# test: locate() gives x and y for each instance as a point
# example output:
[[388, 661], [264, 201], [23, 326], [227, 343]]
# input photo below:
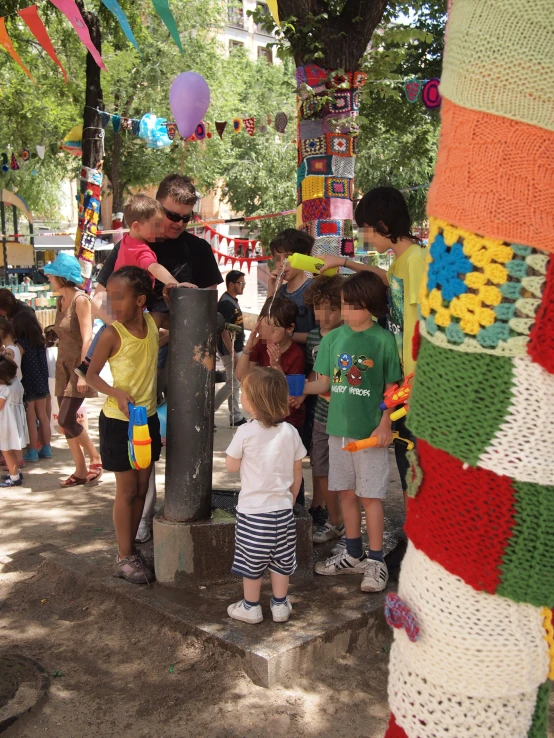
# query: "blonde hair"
[[268, 393], [140, 208]]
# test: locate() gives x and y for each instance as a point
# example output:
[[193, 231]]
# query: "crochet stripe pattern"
[[477, 580], [484, 71]]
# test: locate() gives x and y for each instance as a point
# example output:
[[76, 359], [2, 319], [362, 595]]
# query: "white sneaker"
[[376, 576], [238, 611], [340, 546], [327, 532], [280, 610], [341, 563], [144, 532]]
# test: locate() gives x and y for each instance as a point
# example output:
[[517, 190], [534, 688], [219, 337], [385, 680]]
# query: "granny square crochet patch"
[[319, 165], [328, 228], [342, 102], [337, 187], [311, 146], [339, 144]]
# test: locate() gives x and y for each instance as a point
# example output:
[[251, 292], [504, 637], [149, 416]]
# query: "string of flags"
[[71, 11], [159, 132]]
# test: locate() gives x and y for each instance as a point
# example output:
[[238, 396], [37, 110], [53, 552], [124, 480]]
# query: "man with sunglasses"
[[189, 259]]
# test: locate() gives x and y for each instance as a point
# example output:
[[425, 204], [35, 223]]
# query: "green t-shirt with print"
[[359, 365]]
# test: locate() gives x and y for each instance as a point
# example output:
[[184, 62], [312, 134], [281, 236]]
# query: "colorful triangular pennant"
[[36, 26], [162, 9], [73, 14], [250, 125], [220, 126], [6, 42], [116, 123], [41, 151], [13, 164], [115, 8]]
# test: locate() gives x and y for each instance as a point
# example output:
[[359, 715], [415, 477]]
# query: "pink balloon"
[[189, 98]]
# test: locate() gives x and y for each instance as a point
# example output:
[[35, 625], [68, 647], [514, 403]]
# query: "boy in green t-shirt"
[[357, 363], [384, 221]]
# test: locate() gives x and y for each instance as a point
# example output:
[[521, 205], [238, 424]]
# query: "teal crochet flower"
[[449, 262]]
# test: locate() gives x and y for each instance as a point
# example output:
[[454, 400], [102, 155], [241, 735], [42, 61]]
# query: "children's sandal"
[[73, 481], [94, 473]]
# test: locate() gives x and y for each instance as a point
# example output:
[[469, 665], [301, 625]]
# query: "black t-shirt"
[[188, 258], [229, 307]]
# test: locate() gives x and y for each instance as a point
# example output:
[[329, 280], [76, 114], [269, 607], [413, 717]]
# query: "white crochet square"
[[471, 643], [522, 446], [343, 166]]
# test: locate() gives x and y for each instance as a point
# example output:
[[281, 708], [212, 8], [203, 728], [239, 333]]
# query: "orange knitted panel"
[[495, 176]]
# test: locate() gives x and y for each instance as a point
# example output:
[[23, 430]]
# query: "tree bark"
[[345, 36], [92, 144]]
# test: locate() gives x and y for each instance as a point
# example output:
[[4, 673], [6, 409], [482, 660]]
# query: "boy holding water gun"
[[357, 363], [384, 221]]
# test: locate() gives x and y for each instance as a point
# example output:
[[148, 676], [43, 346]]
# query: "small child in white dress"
[[14, 435]]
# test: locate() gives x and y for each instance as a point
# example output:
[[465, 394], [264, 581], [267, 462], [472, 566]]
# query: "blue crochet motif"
[[431, 325], [448, 263], [491, 336], [455, 334]]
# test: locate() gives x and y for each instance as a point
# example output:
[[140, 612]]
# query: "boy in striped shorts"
[[268, 453]]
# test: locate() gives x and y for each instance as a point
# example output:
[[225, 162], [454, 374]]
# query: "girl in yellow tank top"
[[130, 346]]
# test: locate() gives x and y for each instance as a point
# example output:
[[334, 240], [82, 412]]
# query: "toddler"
[[268, 453]]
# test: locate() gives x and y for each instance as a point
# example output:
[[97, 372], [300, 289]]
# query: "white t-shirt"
[[16, 357], [267, 468]]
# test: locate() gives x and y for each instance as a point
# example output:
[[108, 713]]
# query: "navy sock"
[[375, 555], [249, 605], [278, 600], [354, 547]]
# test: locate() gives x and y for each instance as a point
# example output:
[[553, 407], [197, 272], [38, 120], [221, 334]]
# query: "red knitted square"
[[541, 339], [394, 730], [461, 518]]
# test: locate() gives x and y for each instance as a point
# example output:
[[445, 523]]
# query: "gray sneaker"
[[376, 576], [134, 569], [327, 532], [144, 532]]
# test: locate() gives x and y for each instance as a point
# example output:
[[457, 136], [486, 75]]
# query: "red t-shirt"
[[293, 361], [135, 252]]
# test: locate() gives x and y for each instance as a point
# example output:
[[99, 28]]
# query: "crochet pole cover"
[[477, 581]]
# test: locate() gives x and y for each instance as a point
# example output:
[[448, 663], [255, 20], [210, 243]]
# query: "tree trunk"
[[93, 154], [328, 107]]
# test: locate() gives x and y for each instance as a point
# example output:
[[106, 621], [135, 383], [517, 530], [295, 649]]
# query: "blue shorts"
[[265, 541]]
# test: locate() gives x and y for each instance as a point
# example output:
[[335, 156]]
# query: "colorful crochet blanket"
[[473, 651]]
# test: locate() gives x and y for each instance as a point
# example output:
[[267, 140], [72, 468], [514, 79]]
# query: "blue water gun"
[[140, 443]]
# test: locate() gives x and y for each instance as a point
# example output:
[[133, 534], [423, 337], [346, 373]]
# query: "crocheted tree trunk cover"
[[327, 137], [478, 575]]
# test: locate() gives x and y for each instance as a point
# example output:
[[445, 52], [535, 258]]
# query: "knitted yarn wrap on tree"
[[454, 529], [463, 633], [487, 173], [498, 59], [478, 575]]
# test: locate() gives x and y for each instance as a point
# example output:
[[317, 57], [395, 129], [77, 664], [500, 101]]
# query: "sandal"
[[73, 481], [94, 473]]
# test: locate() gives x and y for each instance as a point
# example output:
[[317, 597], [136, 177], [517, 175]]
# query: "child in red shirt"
[[144, 217], [271, 344]]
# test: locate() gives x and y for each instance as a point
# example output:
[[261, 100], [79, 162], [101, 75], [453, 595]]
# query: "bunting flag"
[[220, 126], [274, 10], [73, 14], [41, 150], [162, 9], [13, 164], [6, 42], [36, 26], [249, 124], [115, 8]]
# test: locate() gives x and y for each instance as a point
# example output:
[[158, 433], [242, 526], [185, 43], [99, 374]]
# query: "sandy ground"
[[122, 672], [125, 673]]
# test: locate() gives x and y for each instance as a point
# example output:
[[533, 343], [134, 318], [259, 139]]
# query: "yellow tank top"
[[134, 369]]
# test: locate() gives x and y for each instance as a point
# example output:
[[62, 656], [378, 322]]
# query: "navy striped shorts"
[[265, 541]]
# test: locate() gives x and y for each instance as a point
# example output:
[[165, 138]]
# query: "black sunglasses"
[[176, 218]]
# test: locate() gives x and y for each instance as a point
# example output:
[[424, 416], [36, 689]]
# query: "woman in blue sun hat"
[[73, 326]]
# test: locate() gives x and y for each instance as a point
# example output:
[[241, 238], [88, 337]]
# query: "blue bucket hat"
[[65, 265]]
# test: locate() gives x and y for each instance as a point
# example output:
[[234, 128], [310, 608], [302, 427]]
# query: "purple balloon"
[[189, 98]]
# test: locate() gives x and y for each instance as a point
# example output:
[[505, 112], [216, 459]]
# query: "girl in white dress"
[[9, 346], [13, 423]]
